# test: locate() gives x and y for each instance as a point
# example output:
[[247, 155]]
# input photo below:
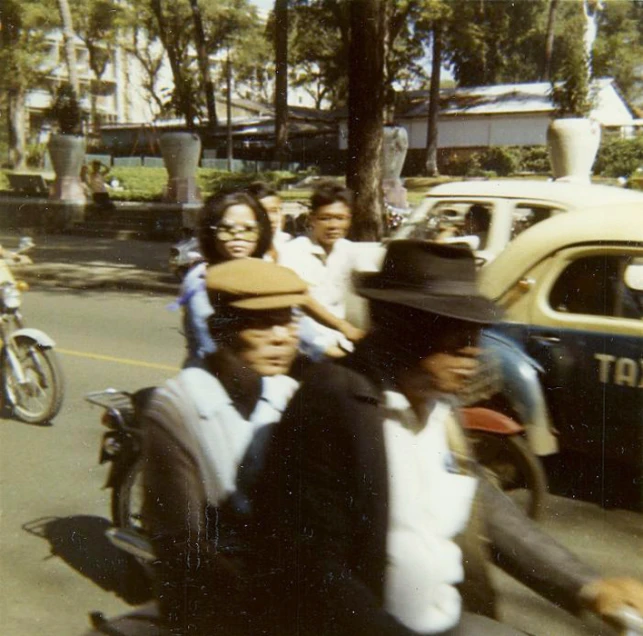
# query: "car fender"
[[522, 389], [38, 336]]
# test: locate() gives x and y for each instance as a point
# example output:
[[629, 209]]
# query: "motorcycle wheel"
[[127, 499], [38, 400], [510, 465]]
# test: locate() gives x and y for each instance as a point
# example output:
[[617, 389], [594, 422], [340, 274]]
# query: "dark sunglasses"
[[226, 233]]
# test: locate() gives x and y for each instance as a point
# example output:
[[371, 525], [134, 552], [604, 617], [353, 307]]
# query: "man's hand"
[[350, 332], [607, 596], [334, 351]]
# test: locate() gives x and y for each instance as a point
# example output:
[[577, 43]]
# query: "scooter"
[[32, 381]]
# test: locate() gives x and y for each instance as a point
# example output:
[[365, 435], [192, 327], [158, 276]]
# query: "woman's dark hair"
[[328, 192], [214, 210], [260, 190]]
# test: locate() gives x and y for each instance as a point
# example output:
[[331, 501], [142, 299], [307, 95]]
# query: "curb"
[[74, 277]]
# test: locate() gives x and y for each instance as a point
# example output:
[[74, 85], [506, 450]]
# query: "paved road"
[[50, 483], [54, 562]]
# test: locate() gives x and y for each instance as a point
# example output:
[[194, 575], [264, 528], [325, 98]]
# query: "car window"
[[452, 219], [527, 215], [596, 285]]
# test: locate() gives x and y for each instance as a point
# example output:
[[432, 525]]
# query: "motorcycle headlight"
[[11, 296]]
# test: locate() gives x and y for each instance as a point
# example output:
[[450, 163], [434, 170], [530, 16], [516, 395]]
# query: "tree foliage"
[[618, 51], [490, 42], [571, 77], [23, 56], [96, 23]]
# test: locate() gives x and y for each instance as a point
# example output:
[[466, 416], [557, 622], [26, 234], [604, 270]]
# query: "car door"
[[586, 330]]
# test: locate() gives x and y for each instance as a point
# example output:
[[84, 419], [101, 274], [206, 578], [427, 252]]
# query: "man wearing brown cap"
[[205, 433], [371, 507]]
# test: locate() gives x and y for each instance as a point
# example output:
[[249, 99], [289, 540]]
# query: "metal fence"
[[238, 165]]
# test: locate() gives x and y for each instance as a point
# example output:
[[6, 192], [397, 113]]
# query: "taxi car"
[[572, 291], [486, 215]]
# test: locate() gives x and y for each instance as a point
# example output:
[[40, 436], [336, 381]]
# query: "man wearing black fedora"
[[371, 512]]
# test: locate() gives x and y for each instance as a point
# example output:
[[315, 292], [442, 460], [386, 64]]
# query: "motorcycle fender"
[[489, 421], [116, 473], [39, 337]]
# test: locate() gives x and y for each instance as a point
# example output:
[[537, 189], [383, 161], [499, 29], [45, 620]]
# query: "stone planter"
[[67, 154], [573, 144], [181, 152], [394, 149]]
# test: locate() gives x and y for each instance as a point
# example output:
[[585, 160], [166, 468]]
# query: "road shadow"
[[80, 541]]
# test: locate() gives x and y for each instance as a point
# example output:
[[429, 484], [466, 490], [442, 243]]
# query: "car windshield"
[[450, 220]]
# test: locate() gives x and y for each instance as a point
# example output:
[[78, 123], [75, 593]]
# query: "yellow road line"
[[135, 363]]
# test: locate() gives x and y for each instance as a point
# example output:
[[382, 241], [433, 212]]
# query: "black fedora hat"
[[431, 277]]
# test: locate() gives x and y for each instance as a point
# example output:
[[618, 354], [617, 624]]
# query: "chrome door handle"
[[547, 339]]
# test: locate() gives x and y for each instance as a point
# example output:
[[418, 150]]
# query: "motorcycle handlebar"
[[627, 621]]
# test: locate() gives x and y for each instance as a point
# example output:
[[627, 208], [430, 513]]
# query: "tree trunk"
[[434, 103], [184, 98], [549, 40], [366, 101], [281, 80], [70, 50], [204, 65], [17, 135]]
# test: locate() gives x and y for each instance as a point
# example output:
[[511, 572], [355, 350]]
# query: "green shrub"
[[138, 183], [215, 181], [459, 163], [619, 157], [534, 159], [35, 155], [147, 184], [501, 160]]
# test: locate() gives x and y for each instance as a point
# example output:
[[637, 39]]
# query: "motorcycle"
[[121, 447], [184, 255], [489, 431], [32, 380], [498, 441]]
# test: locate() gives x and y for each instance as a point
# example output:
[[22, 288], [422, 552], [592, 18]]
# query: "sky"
[[264, 5]]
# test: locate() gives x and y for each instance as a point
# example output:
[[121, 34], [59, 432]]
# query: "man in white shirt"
[[325, 260], [371, 509]]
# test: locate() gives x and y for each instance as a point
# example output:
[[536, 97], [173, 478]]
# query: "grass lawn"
[[147, 183]]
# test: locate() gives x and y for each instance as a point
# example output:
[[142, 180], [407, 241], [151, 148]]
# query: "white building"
[[124, 99], [502, 115]]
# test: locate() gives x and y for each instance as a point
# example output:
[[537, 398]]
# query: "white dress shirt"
[[328, 276], [428, 505]]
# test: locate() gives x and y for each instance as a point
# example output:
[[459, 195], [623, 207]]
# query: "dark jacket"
[[323, 512]]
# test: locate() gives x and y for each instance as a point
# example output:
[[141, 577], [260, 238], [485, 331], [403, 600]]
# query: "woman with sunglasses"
[[231, 226]]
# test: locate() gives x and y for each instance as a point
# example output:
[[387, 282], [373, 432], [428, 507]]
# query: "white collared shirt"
[[328, 275], [428, 505], [221, 434]]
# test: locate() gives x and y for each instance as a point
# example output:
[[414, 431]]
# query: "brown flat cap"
[[250, 283]]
